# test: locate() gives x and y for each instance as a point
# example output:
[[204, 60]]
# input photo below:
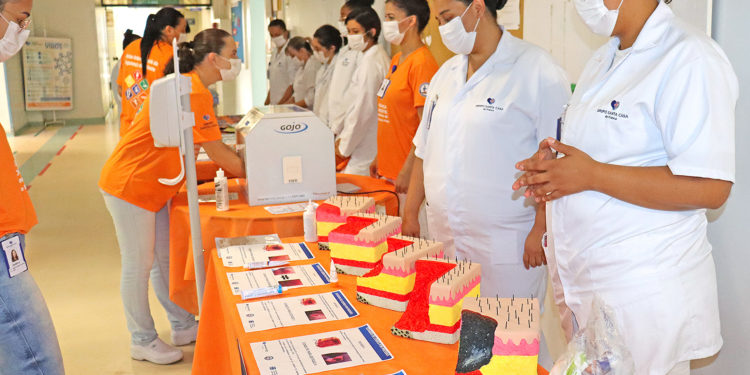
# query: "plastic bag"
[[597, 349]]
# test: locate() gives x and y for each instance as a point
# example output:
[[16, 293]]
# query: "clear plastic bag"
[[597, 349]]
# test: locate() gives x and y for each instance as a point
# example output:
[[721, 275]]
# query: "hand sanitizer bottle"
[[222, 191], [309, 222]]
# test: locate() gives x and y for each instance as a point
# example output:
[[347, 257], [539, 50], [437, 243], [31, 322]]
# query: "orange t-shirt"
[[133, 84], [133, 170], [398, 119], [16, 211]]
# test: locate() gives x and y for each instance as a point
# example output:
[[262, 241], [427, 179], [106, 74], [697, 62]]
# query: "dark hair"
[[419, 8], [129, 37], [298, 43], [278, 23], [156, 23], [329, 36], [354, 4], [492, 5], [193, 53], [368, 18]]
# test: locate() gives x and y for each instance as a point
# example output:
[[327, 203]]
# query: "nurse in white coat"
[[281, 68], [648, 145], [486, 106], [358, 139], [304, 81], [326, 44]]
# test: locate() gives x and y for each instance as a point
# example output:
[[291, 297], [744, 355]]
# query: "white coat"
[[359, 136], [471, 135], [669, 102], [338, 102], [322, 88], [281, 73], [304, 82]]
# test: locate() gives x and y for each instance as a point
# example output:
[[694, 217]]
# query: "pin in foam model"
[[358, 245], [333, 213], [433, 312]]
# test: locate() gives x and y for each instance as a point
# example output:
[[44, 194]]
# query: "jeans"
[[143, 237], [28, 342]]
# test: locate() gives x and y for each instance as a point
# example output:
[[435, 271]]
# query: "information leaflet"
[[294, 311], [240, 255], [288, 277]]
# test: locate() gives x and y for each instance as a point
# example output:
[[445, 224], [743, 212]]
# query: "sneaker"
[[185, 336], [156, 351]]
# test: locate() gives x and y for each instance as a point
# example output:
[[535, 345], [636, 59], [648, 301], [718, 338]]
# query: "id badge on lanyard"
[[15, 259], [383, 88], [560, 125], [431, 110]]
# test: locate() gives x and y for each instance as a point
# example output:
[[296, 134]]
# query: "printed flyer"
[[240, 255], [288, 277], [294, 311]]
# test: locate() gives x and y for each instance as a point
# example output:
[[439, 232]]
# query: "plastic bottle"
[[310, 224], [222, 191]]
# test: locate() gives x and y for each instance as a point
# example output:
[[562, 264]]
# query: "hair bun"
[[501, 4]]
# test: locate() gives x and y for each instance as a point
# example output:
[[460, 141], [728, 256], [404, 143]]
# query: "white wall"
[[726, 232]]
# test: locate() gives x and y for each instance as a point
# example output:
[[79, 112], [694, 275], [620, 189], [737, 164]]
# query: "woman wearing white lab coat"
[[281, 68], [326, 44], [648, 145], [304, 81], [486, 106], [358, 139]]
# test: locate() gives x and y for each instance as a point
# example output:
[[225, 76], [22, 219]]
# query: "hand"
[[410, 226], [402, 181], [374, 169], [533, 252], [552, 179]]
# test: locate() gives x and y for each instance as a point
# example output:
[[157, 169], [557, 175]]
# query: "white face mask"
[[357, 42], [279, 41], [13, 40], [183, 38], [320, 56], [600, 19], [231, 73], [342, 27], [391, 32], [456, 38]]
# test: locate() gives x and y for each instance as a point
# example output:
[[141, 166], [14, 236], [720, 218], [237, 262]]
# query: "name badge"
[[384, 88], [15, 260]]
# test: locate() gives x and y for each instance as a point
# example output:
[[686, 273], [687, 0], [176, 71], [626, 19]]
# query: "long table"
[[223, 346]]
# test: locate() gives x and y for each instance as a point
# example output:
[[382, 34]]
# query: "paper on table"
[[321, 352], [288, 277], [286, 208], [265, 239], [211, 198], [294, 311], [347, 188], [510, 15], [240, 255]]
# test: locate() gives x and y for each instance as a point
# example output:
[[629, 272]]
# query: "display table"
[[223, 347], [240, 220]]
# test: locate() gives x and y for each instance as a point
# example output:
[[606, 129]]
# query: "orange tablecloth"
[[223, 344], [240, 220]]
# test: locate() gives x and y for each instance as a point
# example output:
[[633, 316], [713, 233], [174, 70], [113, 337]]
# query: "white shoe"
[[156, 351], [185, 336]]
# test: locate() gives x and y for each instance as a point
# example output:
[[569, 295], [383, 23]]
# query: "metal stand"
[[54, 121], [191, 182]]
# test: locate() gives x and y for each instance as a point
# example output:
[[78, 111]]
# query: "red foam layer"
[[443, 329], [380, 293], [354, 224], [475, 372], [417, 318], [328, 211], [322, 238]]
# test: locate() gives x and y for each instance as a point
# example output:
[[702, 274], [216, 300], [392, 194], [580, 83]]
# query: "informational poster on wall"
[[320, 353], [48, 74], [294, 311], [238, 30]]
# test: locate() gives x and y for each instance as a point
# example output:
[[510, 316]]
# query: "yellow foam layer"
[[325, 228], [448, 316], [511, 365], [358, 253], [388, 283]]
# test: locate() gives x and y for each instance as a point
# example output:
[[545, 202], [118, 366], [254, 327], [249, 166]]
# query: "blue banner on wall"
[[238, 30]]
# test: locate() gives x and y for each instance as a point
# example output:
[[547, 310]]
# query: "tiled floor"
[[74, 256]]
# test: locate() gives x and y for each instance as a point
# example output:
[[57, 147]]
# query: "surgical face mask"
[[391, 32], [342, 27], [183, 38], [456, 38], [600, 19], [279, 41], [13, 40], [231, 73], [357, 42], [320, 56]]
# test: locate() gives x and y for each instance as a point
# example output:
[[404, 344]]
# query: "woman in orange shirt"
[[138, 202], [143, 60], [402, 96]]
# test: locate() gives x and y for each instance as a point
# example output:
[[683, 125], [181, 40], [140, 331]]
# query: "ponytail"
[[193, 53], [155, 25]]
